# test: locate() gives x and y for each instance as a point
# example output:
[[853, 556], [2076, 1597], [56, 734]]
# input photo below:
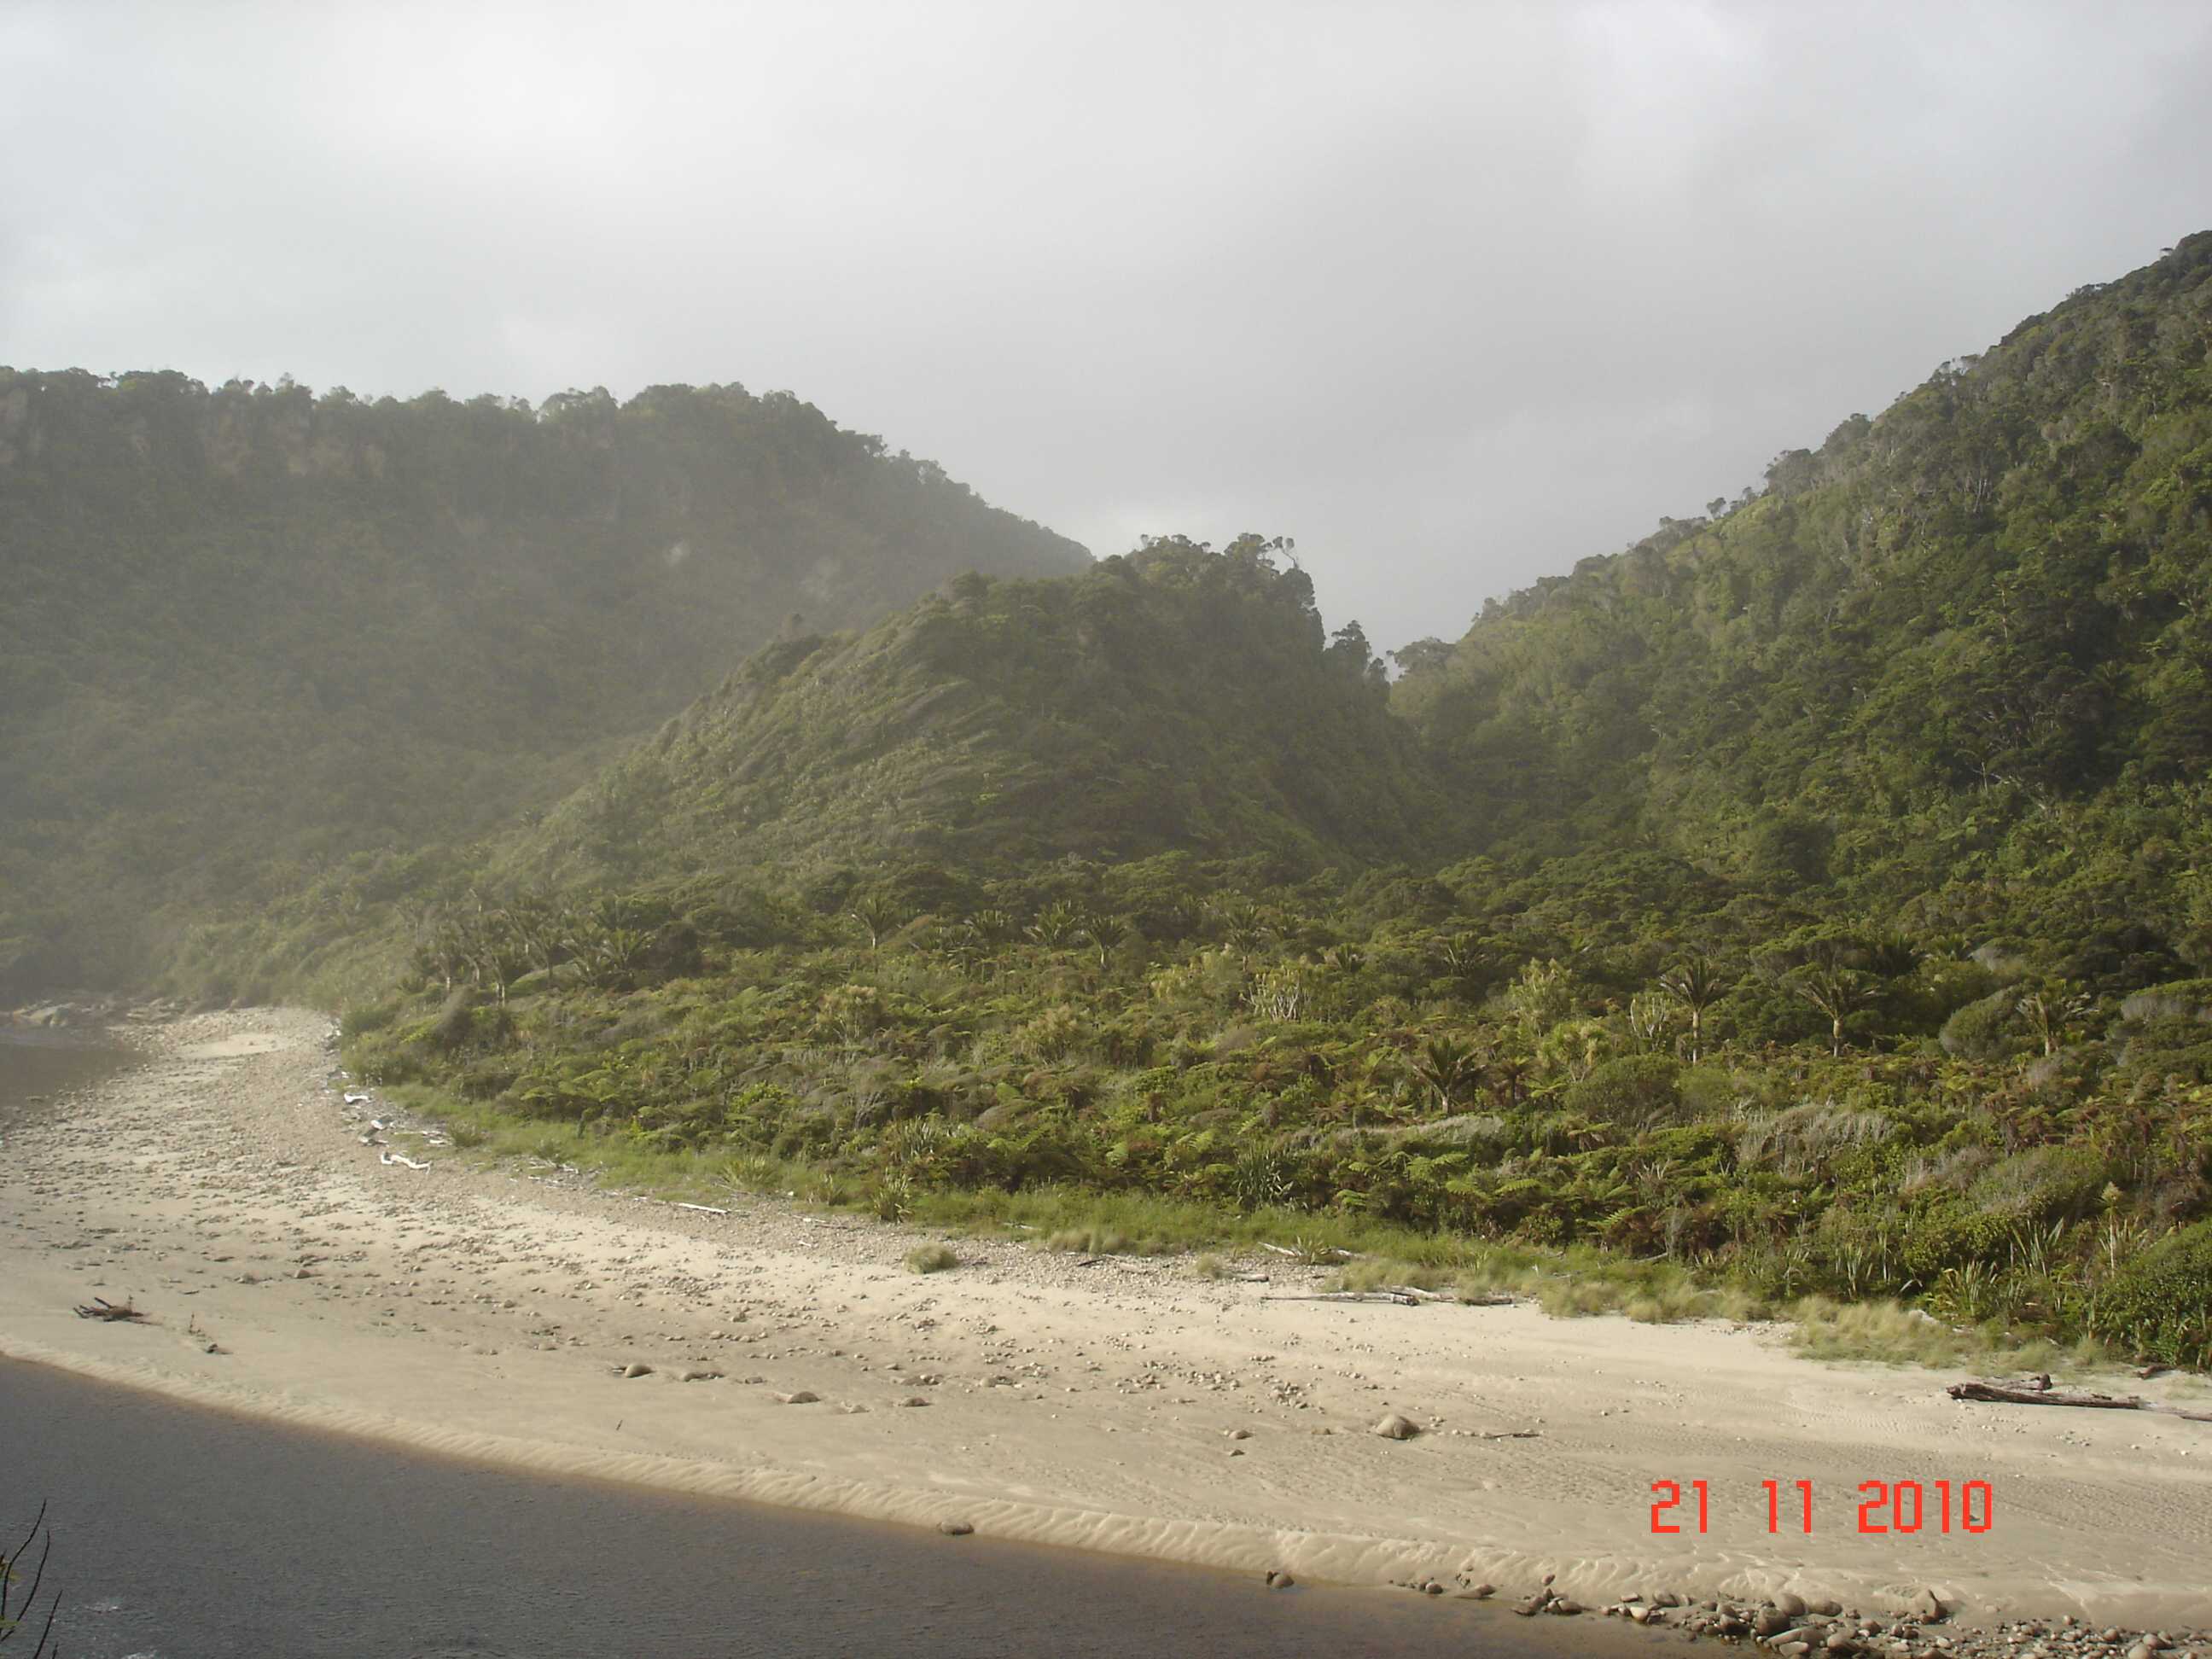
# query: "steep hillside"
[[250, 632], [1953, 668], [1171, 700]]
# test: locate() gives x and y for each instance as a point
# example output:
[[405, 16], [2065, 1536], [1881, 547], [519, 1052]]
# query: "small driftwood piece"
[[2039, 1392], [1507, 1434], [399, 1158], [703, 1209], [113, 1312], [1301, 1255], [1397, 1297]]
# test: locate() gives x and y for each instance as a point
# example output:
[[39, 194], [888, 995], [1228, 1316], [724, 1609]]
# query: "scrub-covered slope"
[[1174, 699]]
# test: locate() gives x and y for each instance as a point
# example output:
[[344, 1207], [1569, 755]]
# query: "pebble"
[[1396, 1426], [955, 1529]]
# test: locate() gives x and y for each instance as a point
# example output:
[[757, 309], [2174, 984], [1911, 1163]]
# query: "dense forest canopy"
[[250, 631], [1955, 667]]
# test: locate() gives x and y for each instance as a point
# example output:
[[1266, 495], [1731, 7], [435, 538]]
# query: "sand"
[[1117, 1403]]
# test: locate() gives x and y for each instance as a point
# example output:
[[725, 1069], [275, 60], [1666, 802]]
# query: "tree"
[[877, 914], [1510, 1073], [2049, 1010], [1058, 925], [1449, 1066], [1105, 933], [1467, 960], [1838, 992], [1696, 982]]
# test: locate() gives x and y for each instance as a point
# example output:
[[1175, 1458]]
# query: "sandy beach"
[[1112, 1403]]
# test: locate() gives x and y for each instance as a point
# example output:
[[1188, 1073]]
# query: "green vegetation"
[[266, 657], [1171, 700], [1800, 905], [931, 1258], [1804, 909]]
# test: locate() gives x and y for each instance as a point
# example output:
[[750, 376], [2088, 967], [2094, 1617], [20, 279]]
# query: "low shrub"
[[931, 1258], [2159, 1306]]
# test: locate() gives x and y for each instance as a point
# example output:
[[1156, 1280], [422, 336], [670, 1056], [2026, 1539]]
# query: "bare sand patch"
[[1093, 1403]]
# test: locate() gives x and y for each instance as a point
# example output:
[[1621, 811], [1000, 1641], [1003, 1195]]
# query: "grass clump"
[[1888, 1333], [1209, 1266], [931, 1259], [1097, 1239]]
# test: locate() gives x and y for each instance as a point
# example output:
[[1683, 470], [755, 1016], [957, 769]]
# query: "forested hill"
[[248, 632], [1950, 669], [1170, 700]]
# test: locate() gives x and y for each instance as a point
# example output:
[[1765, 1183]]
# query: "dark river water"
[[180, 1531]]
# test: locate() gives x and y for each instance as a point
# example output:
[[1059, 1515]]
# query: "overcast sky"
[[1455, 295]]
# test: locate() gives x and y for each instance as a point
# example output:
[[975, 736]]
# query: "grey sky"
[[1455, 295]]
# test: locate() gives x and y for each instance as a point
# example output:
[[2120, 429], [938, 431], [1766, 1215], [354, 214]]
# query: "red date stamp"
[[1885, 1506]]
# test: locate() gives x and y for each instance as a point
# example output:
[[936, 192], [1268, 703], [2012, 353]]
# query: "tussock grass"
[[1209, 1266], [1097, 1240], [1888, 1333], [931, 1258]]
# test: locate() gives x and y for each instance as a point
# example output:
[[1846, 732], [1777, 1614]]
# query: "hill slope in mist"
[[1170, 700], [249, 632]]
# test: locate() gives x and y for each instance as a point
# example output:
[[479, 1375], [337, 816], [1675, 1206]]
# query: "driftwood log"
[[101, 1308], [1401, 1295], [2039, 1392]]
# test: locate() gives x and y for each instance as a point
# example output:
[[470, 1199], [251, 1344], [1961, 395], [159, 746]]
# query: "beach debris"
[[636, 1367], [956, 1529], [1277, 1579], [355, 1097], [703, 1209], [799, 1397], [401, 1157], [701, 1375], [2038, 1391], [1394, 1298], [112, 1312], [1395, 1425]]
